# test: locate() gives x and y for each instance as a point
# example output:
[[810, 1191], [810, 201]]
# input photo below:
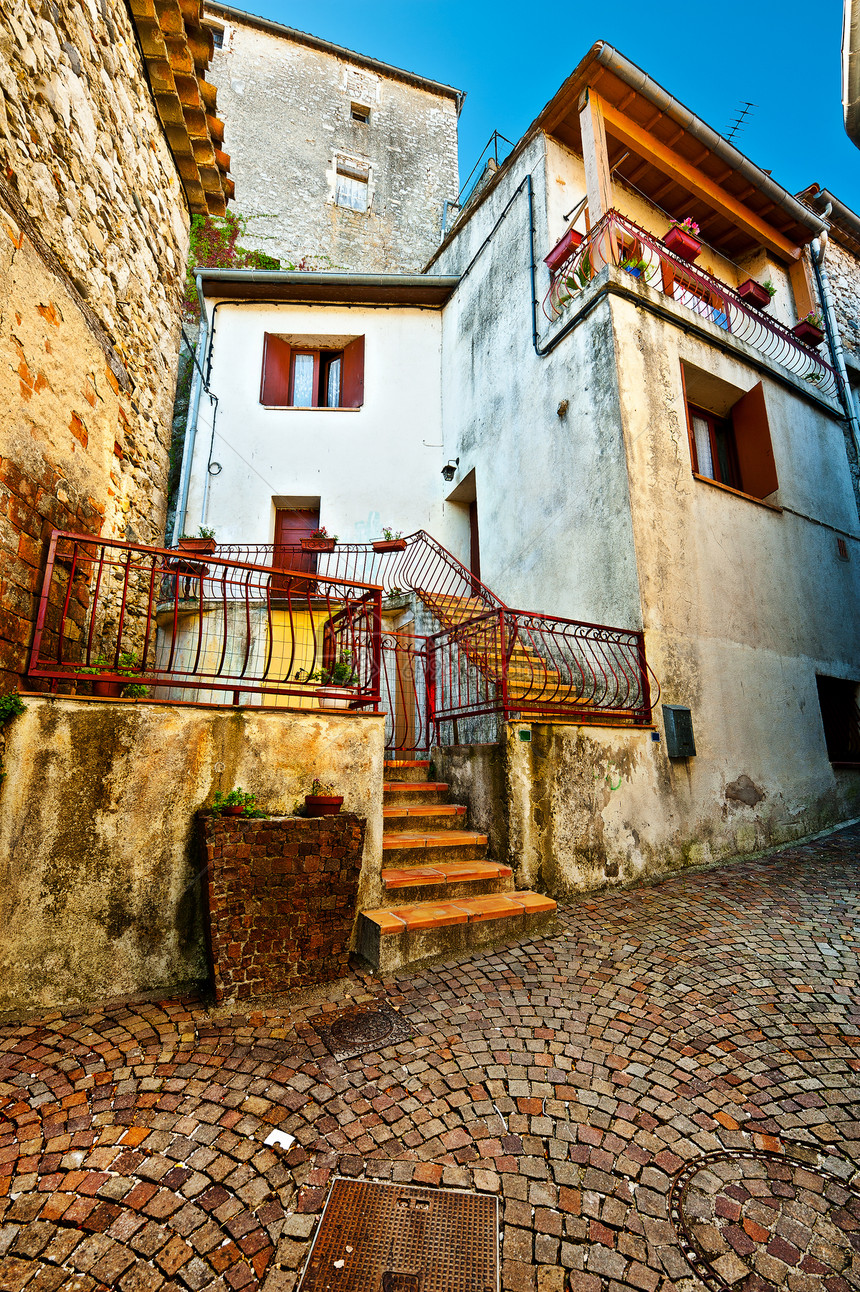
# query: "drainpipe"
[[193, 414], [818, 247]]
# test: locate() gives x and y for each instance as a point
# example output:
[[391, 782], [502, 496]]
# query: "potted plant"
[[562, 250], [341, 675], [320, 541], [237, 802], [390, 542], [201, 544], [109, 689], [810, 329], [683, 239], [322, 800], [636, 267], [759, 295]]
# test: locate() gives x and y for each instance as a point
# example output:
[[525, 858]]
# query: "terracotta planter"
[[108, 690], [319, 544], [322, 804], [335, 698], [808, 333], [235, 809], [390, 545], [199, 546], [754, 294], [562, 250], [682, 244]]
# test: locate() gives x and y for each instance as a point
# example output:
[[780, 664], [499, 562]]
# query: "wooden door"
[[474, 547], [292, 524]]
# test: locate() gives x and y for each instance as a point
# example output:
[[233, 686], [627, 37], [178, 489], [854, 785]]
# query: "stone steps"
[[424, 847], [424, 816], [445, 880]]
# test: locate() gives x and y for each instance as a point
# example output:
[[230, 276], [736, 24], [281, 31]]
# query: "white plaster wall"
[[374, 466]]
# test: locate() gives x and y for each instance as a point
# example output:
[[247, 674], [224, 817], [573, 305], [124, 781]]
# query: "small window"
[[840, 715], [731, 446], [217, 36], [352, 185], [312, 375], [360, 113]]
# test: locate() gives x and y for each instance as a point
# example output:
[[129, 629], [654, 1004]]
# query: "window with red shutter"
[[301, 373], [729, 434]]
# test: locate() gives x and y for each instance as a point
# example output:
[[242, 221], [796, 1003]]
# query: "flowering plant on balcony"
[[814, 319], [319, 540], [683, 239], [687, 225]]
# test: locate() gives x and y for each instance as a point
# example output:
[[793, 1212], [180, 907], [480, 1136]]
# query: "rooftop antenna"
[[741, 119]]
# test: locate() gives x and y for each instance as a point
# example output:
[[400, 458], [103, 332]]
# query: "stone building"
[[108, 140], [352, 160]]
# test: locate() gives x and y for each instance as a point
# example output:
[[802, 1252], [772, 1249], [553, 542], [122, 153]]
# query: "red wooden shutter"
[[275, 388], [752, 440], [353, 374]]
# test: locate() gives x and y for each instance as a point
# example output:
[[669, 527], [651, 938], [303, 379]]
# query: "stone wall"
[[100, 884], [843, 272], [93, 240], [287, 113], [281, 898]]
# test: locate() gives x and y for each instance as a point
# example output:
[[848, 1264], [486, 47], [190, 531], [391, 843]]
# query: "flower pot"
[[335, 698], [754, 294], [682, 244], [319, 544], [199, 546], [390, 545], [235, 809], [562, 250], [808, 333], [323, 804], [108, 690]]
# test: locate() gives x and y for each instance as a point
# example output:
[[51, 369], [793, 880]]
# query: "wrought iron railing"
[[616, 240], [115, 615]]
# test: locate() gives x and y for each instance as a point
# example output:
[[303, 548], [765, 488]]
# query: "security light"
[[450, 469]]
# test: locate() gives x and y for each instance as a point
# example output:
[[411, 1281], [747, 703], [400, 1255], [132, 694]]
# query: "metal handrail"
[[619, 241]]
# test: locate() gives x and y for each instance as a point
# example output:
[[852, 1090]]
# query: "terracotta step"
[[426, 847], [405, 769], [393, 936], [423, 816], [445, 881], [413, 792]]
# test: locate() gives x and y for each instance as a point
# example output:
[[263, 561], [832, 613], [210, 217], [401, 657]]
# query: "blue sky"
[[510, 59]]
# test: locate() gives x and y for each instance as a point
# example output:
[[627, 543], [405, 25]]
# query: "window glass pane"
[[725, 455], [332, 394], [351, 193], [303, 380], [702, 436]]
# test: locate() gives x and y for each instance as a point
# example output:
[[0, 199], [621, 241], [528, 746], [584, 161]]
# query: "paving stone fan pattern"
[[571, 1077]]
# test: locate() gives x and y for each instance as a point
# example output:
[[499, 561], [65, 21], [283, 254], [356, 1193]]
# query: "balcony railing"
[[616, 240]]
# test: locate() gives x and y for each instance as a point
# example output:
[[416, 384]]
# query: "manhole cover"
[[759, 1221], [360, 1029], [397, 1238]]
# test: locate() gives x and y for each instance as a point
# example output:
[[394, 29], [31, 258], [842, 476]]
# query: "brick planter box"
[[281, 900]]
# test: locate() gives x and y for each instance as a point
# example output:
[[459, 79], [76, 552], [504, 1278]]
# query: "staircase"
[[444, 894]]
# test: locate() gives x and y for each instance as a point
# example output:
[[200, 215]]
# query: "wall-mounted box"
[[678, 722]]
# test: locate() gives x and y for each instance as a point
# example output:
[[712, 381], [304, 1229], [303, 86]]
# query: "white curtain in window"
[[702, 436], [351, 192]]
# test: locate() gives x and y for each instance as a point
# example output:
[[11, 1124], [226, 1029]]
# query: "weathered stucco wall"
[[99, 877], [93, 240], [287, 112]]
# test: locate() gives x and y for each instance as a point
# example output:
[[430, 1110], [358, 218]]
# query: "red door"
[[474, 549], [291, 526]]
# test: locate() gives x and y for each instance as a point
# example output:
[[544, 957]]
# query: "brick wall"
[[282, 900]]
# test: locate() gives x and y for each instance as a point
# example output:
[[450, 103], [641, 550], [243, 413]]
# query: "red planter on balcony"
[[754, 294], [808, 334], [390, 545], [319, 544], [108, 690], [562, 250], [682, 244], [199, 546], [323, 804]]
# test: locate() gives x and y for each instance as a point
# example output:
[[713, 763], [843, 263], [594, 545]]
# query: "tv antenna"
[[741, 119]]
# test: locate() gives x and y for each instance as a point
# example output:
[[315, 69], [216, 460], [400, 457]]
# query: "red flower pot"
[[390, 545], [322, 804], [108, 690], [235, 809], [808, 333], [199, 546], [682, 244], [754, 294], [562, 250], [319, 544]]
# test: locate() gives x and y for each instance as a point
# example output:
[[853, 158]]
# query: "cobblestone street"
[[704, 1031]]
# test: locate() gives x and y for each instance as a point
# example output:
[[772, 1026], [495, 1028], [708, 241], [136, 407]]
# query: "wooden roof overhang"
[[269, 286], [177, 47], [677, 161]]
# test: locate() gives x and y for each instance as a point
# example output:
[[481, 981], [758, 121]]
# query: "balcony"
[[616, 240]]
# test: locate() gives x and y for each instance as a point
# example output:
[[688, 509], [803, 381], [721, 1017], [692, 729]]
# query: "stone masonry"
[[287, 107], [282, 899], [93, 240]]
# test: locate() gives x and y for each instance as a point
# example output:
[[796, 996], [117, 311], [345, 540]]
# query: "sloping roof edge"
[[428, 290]]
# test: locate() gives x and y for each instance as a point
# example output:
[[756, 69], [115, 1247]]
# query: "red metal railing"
[[616, 240], [116, 614]]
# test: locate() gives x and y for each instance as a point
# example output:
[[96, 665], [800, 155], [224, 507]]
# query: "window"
[[352, 185], [306, 373], [729, 434], [840, 715], [360, 113], [217, 36]]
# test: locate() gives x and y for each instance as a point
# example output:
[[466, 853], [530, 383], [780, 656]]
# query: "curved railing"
[[618, 241]]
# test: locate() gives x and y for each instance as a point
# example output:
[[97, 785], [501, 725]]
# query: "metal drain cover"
[[361, 1029], [398, 1238]]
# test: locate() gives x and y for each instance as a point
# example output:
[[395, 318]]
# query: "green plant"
[[389, 534], [11, 705], [135, 691], [340, 673], [322, 788], [814, 319], [236, 798], [128, 664], [769, 288], [214, 243]]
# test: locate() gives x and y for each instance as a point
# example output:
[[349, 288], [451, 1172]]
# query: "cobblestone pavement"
[[675, 1072]]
